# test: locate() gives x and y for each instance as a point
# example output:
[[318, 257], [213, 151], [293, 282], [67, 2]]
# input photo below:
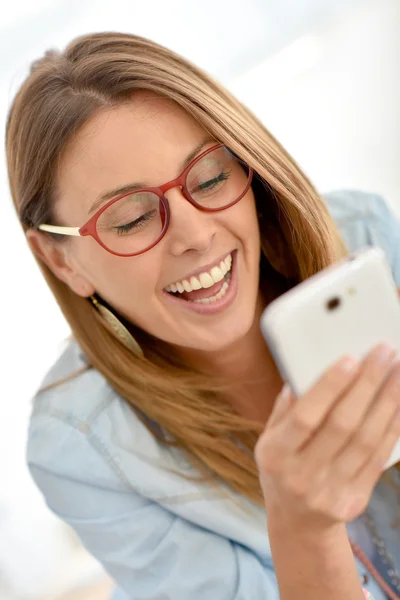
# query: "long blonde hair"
[[299, 237]]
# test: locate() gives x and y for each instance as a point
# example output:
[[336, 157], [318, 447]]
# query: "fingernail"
[[384, 353], [349, 363]]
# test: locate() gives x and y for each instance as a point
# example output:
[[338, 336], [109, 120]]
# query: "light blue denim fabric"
[[160, 536]]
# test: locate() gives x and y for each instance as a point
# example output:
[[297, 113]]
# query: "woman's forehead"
[[141, 122], [144, 140]]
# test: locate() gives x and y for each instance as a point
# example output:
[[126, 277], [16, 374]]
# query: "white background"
[[321, 74]]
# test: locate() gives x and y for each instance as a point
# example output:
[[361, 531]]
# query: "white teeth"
[[216, 274], [204, 280], [195, 283], [218, 296], [186, 285]]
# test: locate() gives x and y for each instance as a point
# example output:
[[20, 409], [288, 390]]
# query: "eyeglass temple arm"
[[60, 230]]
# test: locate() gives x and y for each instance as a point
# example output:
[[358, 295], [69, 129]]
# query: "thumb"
[[283, 403]]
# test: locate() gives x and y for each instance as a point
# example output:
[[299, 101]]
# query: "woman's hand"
[[321, 454]]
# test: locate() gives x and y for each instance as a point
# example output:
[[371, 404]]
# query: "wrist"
[[312, 557], [315, 534]]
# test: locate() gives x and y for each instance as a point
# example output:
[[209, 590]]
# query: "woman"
[[165, 218]]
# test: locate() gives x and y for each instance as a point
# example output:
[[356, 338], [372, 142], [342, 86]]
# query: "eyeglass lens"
[[135, 222]]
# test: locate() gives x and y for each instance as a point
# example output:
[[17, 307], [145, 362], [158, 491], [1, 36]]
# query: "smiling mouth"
[[205, 288]]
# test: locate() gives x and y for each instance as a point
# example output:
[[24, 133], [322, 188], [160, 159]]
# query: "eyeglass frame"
[[90, 227]]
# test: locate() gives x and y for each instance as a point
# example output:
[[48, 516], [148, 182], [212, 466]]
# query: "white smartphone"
[[347, 308]]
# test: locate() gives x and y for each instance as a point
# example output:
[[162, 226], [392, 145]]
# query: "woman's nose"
[[190, 228]]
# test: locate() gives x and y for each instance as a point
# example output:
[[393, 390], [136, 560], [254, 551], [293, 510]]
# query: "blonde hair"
[[299, 237]]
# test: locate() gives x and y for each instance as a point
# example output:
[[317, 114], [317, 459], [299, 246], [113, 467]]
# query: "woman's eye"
[[136, 223], [212, 183]]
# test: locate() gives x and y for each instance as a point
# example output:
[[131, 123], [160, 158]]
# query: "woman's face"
[[148, 141]]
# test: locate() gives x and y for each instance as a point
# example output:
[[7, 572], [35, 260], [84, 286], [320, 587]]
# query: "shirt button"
[[83, 427], [364, 579]]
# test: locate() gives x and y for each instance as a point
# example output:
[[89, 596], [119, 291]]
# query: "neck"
[[249, 365]]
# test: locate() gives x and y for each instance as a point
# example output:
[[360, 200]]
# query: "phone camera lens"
[[333, 303]]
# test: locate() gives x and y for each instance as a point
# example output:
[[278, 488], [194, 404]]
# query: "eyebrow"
[[130, 187]]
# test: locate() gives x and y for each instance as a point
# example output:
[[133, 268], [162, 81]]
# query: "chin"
[[222, 337]]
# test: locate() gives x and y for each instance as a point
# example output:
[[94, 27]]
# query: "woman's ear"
[[55, 255]]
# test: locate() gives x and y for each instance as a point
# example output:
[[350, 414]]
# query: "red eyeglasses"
[[135, 222]]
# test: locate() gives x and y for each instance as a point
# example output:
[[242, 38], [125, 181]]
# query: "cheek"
[[244, 221], [245, 212], [124, 282]]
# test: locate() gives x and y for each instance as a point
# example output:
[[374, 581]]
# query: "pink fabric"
[[367, 595]]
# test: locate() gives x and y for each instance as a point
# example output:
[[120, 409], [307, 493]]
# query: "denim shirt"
[[160, 536]]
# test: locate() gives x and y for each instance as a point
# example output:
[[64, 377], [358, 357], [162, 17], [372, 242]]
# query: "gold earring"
[[123, 334]]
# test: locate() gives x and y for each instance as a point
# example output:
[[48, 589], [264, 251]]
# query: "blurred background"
[[323, 77]]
